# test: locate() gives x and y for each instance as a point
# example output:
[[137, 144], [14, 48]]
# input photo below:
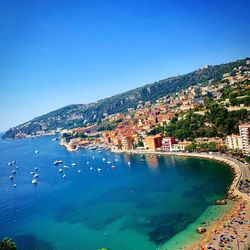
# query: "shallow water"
[[141, 206]]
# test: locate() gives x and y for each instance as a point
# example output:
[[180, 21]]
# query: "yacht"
[[34, 182]]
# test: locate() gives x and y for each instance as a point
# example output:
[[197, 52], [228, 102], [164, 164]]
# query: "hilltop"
[[85, 114]]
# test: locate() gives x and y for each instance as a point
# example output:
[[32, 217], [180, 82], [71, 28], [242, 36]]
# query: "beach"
[[232, 230]]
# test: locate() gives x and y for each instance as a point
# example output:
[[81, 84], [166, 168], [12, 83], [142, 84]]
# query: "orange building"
[[153, 142], [127, 143]]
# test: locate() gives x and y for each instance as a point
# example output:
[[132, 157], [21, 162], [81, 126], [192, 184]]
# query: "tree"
[[7, 244]]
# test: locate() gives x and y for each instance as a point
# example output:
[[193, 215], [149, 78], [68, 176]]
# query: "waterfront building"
[[245, 137], [180, 146], [234, 142], [153, 142], [167, 143], [126, 142]]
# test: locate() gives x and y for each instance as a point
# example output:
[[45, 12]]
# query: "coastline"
[[208, 239]]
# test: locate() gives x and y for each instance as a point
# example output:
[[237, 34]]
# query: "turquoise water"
[[145, 205]]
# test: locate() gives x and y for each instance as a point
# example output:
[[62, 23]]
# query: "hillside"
[[78, 114]]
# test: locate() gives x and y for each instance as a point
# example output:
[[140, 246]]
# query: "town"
[[203, 118]]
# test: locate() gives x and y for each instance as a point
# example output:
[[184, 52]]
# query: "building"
[[153, 142], [245, 137], [180, 146], [234, 142], [167, 143], [127, 143]]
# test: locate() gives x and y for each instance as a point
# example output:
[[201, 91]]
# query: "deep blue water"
[[137, 206]]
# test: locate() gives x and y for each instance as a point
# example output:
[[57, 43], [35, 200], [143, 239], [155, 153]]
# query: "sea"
[[133, 202]]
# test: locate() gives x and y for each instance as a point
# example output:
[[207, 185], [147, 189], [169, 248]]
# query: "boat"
[[64, 176], [87, 162], [54, 139], [92, 148], [129, 163], [14, 185], [36, 152], [91, 169], [113, 167], [109, 162], [11, 177], [17, 167], [116, 160], [13, 171], [73, 164], [65, 166], [99, 151], [34, 182], [13, 162], [99, 169], [32, 173], [36, 169], [57, 162], [36, 175], [79, 170], [9, 163], [103, 159], [60, 170], [93, 157]]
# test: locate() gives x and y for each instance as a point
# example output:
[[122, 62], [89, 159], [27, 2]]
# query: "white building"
[[234, 142], [245, 137]]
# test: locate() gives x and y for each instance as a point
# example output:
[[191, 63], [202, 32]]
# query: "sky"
[[56, 53]]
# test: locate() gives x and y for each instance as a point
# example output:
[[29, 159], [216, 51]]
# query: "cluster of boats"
[[35, 175], [13, 172]]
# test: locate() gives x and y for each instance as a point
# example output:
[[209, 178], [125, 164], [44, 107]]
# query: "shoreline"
[[238, 198]]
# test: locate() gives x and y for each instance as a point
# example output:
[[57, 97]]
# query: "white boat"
[[14, 185], [91, 169], [36, 152], [93, 157], [32, 173], [116, 160], [99, 169], [73, 164], [65, 166], [60, 170], [13, 171], [36, 175], [34, 182], [113, 167], [36, 169], [129, 163], [13, 162], [93, 148], [17, 167], [79, 170], [99, 151], [64, 176], [9, 163], [109, 162], [87, 162], [103, 159], [57, 162], [11, 177]]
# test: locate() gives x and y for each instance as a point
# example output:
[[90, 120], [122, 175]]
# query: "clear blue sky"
[[55, 53]]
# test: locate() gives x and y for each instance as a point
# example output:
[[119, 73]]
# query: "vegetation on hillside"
[[79, 114]]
